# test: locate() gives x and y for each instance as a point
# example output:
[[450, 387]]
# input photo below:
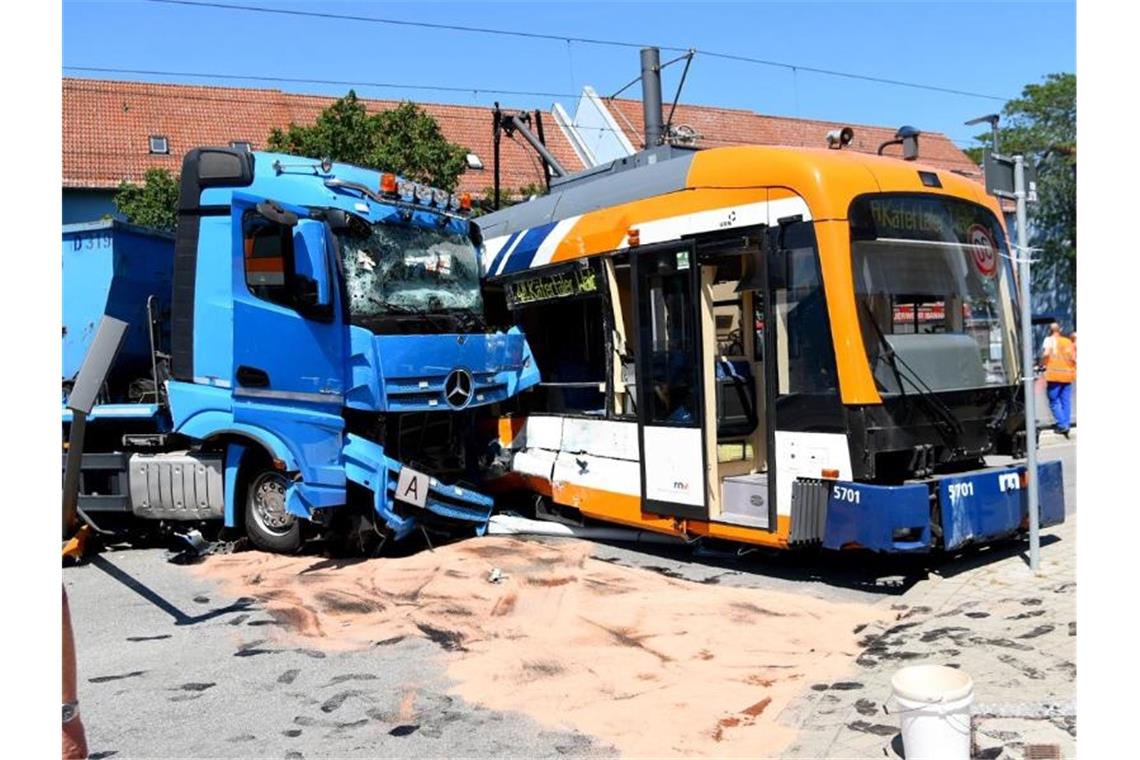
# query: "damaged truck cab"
[[327, 349]]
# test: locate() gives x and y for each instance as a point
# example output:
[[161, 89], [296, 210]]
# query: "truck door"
[[671, 424], [289, 339]]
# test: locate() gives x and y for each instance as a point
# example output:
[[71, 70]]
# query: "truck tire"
[[267, 523]]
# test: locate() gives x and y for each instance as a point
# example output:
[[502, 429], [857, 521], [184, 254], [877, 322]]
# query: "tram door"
[[671, 424]]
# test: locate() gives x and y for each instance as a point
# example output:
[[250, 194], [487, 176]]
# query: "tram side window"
[[670, 340], [568, 343], [805, 358], [624, 314]]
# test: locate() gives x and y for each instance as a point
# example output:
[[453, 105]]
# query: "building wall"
[[82, 205]]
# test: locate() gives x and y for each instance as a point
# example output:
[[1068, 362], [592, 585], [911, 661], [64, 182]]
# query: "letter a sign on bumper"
[[412, 487]]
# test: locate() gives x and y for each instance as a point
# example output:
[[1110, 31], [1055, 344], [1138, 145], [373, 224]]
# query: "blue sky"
[[984, 47]]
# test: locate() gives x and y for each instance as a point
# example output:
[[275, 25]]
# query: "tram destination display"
[[559, 284]]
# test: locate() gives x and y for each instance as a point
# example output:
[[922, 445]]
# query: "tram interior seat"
[[944, 361], [735, 399]]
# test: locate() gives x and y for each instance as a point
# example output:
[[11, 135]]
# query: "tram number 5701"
[[845, 493], [960, 490]]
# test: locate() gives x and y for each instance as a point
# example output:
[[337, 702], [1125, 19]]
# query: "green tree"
[[152, 204], [1042, 126], [405, 140]]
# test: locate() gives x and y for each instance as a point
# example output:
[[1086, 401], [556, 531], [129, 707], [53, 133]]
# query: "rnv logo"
[[1009, 481]]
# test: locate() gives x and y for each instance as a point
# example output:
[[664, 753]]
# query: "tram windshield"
[[932, 285]]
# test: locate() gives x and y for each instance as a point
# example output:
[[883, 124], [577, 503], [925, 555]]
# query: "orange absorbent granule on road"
[[651, 664]]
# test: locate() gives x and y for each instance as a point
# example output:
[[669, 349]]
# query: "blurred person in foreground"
[[74, 738]]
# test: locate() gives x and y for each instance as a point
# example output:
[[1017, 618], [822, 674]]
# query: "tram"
[[776, 346]]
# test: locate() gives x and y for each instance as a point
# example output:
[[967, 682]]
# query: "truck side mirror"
[[312, 278]]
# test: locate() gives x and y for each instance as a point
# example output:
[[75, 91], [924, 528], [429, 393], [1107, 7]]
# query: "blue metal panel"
[[1050, 493], [234, 454], [365, 381], [188, 400], [202, 411], [979, 506], [868, 516], [313, 434], [407, 372], [111, 268], [993, 503], [299, 184], [121, 412], [303, 360], [300, 498], [213, 302]]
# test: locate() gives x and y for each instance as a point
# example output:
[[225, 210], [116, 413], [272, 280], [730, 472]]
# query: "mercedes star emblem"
[[457, 388]]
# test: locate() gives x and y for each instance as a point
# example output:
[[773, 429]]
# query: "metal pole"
[[513, 122], [542, 139], [496, 129], [71, 470], [651, 96], [1027, 363]]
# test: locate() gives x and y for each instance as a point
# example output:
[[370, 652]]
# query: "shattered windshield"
[[409, 269]]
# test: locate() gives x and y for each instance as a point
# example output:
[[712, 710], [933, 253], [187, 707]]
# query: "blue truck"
[[306, 356]]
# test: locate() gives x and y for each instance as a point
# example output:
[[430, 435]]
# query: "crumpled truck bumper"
[[366, 464]]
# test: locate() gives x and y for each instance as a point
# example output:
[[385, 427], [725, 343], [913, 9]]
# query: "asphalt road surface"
[[170, 667]]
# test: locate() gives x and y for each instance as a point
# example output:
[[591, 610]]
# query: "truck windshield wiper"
[[434, 318], [944, 420]]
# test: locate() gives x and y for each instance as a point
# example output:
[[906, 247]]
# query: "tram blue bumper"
[[970, 507], [882, 518], [982, 506]]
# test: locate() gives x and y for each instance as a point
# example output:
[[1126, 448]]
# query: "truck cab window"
[[268, 253]]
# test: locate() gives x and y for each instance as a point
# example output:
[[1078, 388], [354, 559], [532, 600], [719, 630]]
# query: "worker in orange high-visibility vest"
[[1059, 355]]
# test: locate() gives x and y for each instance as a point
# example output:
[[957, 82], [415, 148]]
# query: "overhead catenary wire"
[[582, 40]]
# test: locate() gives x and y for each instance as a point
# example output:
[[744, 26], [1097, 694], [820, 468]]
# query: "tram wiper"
[[943, 418]]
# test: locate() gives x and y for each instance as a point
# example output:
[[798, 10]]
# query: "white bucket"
[[935, 711]]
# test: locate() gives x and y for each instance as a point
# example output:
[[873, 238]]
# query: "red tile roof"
[[106, 125], [730, 126]]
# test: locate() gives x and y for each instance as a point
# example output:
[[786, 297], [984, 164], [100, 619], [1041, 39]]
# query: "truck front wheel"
[[267, 523]]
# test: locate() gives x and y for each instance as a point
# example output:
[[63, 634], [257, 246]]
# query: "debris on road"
[[573, 641], [496, 576]]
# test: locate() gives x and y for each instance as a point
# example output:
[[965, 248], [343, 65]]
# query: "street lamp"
[[992, 119]]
